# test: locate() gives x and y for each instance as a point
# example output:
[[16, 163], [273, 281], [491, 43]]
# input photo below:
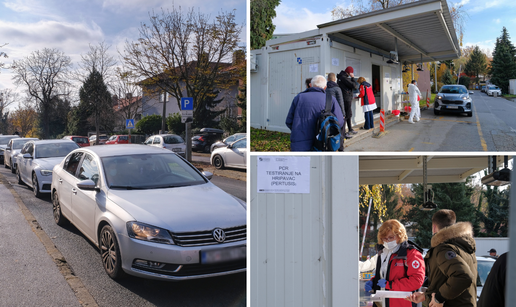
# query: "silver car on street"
[[150, 212], [36, 160], [13, 148]]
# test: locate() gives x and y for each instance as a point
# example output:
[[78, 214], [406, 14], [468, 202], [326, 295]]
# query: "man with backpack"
[[304, 113]]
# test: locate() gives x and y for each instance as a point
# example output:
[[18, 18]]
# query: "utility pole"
[[164, 116]]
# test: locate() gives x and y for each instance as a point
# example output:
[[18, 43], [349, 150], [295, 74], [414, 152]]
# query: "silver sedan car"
[[168, 141], [233, 155], [150, 212], [13, 148], [36, 160]]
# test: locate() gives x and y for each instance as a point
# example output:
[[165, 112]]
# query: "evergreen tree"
[[262, 28], [203, 114], [447, 77], [96, 99], [477, 63], [495, 217], [503, 66], [454, 196]]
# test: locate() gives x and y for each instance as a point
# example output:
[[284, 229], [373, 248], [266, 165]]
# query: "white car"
[[4, 140], [150, 213], [493, 89], [12, 149], [36, 160], [171, 142], [230, 139], [233, 155]]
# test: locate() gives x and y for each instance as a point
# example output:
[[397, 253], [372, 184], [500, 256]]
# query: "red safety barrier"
[[382, 120], [427, 100]]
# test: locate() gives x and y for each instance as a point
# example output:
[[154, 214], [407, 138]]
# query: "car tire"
[[470, 114], [18, 175], [218, 162], [207, 149], [56, 210], [436, 112], [110, 253], [5, 165], [35, 185]]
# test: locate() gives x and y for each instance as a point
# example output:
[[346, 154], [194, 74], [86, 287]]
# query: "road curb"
[[362, 134], [80, 291]]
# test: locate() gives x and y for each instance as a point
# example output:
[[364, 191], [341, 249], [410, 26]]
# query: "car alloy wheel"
[[207, 149], [110, 253], [218, 162], [56, 209], [35, 185]]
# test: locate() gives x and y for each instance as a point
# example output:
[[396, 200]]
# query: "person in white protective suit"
[[414, 96]]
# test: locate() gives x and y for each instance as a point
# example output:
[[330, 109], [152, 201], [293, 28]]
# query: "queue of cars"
[[150, 212]]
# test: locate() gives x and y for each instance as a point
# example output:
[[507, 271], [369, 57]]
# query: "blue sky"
[[71, 25], [484, 22]]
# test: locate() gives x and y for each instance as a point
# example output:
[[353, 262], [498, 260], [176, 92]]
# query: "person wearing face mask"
[[414, 97], [400, 265], [451, 264]]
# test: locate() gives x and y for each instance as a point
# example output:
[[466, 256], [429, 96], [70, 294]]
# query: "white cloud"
[[486, 46], [295, 20], [484, 5], [497, 20]]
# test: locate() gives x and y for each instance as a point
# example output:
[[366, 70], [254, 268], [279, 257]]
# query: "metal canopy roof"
[[421, 28], [409, 169]]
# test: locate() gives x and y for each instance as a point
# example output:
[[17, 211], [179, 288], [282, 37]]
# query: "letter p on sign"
[[186, 103]]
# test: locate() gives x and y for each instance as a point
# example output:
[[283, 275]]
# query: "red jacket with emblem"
[[366, 93], [406, 272]]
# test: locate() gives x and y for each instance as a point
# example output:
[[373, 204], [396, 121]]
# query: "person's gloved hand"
[[382, 283], [368, 286]]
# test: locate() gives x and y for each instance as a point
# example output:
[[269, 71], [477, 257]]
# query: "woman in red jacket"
[[368, 102], [400, 265]]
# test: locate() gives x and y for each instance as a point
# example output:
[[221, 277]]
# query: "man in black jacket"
[[493, 293], [335, 91], [348, 84]]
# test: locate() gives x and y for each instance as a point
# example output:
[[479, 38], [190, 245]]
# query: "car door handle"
[[60, 180], [74, 191]]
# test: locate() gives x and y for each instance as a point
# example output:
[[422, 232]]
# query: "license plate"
[[223, 255], [176, 149], [452, 107]]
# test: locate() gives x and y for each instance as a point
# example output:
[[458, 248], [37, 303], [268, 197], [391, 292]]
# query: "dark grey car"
[[453, 99]]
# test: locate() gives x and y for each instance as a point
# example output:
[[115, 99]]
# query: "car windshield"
[[53, 150], [80, 140], [493, 87], [5, 140], [172, 139], [149, 171], [112, 138], [483, 268], [453, 90], [19, 145]]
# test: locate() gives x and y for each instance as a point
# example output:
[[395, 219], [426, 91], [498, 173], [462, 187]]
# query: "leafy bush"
[[174, 124], [149, 124]]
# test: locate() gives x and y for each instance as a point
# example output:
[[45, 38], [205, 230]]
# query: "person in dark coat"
[[451, 264], [303, 114], [336, 92], [348, 84], [493, 293]]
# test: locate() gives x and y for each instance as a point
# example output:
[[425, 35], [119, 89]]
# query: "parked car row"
[[150, 212]]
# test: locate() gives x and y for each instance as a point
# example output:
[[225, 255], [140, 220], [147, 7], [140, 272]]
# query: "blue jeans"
[[369, 120]]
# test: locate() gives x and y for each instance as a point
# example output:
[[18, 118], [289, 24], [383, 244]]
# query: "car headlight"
[[45, 172], [149, 233], [465, 98], [439, 97]]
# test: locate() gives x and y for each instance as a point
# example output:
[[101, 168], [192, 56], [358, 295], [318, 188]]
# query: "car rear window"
[[80, 140], [173, 139]]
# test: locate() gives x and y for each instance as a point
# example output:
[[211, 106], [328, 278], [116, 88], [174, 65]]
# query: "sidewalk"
[[362, 134], [28, 275]]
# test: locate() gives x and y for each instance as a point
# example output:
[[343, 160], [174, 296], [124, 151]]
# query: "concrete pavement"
[[28, 274]]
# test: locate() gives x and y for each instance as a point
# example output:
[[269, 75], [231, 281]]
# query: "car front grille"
[[206, 237], [453, 101]]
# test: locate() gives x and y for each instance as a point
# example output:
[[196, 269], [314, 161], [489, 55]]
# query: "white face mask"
[[390, 245]]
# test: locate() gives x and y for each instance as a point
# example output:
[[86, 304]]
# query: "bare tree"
[[2, 55], [7, 97], [97, 58], [45, 75], [184, 55]]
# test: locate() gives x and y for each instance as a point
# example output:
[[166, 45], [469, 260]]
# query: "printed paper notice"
[[280, 174], [314, 67], [335, 61]]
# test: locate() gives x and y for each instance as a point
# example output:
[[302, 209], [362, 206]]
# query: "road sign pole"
[[188, 142]]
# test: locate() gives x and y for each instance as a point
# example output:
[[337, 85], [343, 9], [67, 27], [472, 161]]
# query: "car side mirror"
[[88, 185], [27, 156], [207, 174]]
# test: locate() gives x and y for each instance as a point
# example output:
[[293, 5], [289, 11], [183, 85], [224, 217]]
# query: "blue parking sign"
[[129, 123], [186, 103]]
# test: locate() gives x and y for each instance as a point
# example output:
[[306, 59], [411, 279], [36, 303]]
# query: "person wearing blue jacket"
[[303, 113]]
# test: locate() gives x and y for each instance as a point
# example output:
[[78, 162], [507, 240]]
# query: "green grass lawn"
[[265, 140]]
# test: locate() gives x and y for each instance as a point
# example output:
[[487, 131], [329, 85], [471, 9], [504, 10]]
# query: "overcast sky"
[[71, 25], [484, 21]]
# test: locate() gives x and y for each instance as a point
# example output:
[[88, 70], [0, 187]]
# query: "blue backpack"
[[328, 135]]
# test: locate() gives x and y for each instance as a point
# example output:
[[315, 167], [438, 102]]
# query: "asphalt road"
[[85, 261], [492, 128]]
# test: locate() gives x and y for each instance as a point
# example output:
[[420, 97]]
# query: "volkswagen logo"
[[219, 235]]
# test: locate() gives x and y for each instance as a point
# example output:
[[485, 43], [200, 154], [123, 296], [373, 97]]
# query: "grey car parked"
[[13, 148], [453, 99]]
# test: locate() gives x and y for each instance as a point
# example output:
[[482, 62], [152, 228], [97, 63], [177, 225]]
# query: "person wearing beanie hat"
[[347, 84]]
